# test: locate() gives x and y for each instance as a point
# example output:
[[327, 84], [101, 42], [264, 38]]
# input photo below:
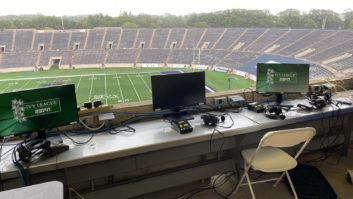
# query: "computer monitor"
[[37, 109], [282, 78], [174, 91]]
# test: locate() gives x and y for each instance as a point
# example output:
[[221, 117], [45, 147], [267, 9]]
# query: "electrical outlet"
[[220, 100], [235, 99], [106, 116]]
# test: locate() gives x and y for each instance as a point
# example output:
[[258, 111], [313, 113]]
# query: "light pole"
[[62, 23]]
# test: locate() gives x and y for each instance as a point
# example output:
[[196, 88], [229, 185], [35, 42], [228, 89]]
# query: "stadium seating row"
[[229, 47]]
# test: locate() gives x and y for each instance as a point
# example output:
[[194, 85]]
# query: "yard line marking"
[[121, 92], [90, 92], [38, 83], [9, 85], [149, 89], [54, 77], [134, 87], [105, 86], [78, 84], [24, 85]]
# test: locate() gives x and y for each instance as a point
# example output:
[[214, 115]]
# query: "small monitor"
[[282, 78], [178, 90], [37, 109]]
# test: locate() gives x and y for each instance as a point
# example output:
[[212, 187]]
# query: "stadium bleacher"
[[290, 38], [251, 35], [79, 39], [160, 37], [333, 51], [18, 59], [144, 38], [192, 38], [343, 64], [339, 37], [306, 41], [236, 59], [176, 35], [318, 72], [229, 37], [128, 38], [153, 56], [122, 56], [60, 41], [42, 39], [112, 35], [6, 39], [225, 47], [183, 56], [210, 57], [89, 57], [211, 36], [64, 55], [269, 37], [23, 40], [95, 38]]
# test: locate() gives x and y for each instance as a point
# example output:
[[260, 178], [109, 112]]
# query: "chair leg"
[[246, 168], [239, 183], [250, 187], [291, 185], [279, 179]]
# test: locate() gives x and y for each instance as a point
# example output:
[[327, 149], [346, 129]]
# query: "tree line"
[[292, 18]]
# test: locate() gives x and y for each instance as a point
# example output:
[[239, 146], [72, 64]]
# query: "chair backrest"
[[287, 138]]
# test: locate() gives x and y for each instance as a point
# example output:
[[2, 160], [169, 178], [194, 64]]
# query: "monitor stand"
[[43, 146], [279, 98], [179, 121], [178, 116]]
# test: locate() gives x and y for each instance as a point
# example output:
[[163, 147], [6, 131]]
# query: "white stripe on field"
[[24, 85], [78, 84], [52, 77], [134, 87], [121, 92], [6, 88], [90, 92], [105, 86], [149, 89]]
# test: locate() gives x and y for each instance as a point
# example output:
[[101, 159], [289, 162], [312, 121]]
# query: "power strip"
[[91, 110]]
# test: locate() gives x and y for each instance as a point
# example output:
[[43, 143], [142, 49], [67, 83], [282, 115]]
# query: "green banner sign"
[[288, 77], [44, 107]]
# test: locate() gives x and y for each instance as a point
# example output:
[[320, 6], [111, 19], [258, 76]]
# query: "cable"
[[18, 166], [252, 92], [231, 118], [76, 142], [195, 191], [220, 148], [90, 128], [4, 140], [216, 130], [76, 193], [127, 129], [1, 156]]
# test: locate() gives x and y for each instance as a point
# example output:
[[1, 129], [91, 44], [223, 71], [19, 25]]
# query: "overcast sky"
[[160, 7]]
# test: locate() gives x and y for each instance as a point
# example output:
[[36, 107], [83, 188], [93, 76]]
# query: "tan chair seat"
[[269, 159]]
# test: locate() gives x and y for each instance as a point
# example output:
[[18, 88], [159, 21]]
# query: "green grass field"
[[110, 85]]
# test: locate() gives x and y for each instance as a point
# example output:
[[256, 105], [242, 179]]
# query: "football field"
[[109, 86]]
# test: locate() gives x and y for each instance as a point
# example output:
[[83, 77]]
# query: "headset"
[[319, 101], [212, 120], [274, 112], [306, 108]]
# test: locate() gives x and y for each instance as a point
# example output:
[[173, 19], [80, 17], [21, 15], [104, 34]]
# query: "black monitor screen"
[[37, 109], [282, 78], [178, 90]]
